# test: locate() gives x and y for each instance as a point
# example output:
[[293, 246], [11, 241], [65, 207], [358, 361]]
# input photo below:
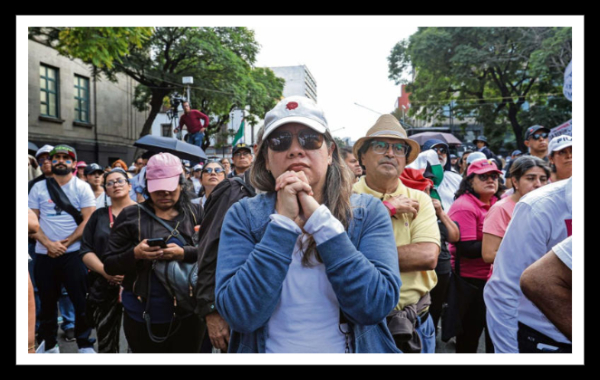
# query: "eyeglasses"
[[282, 141], [42, 160], [381, 147], [120, 181], [440, 149], [485, 176], [210, 170], [536, 136], [242, 154]]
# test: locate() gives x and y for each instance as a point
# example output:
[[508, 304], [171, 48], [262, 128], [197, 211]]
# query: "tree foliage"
[[499, 76], [219, 59], [97, 46]]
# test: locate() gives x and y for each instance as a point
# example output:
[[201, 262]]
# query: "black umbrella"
[[176, 147], [33, 147]]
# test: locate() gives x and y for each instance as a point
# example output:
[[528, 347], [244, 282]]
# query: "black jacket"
[[125, 236]]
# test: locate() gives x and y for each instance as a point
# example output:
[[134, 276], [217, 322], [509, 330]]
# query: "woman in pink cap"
[[477, 192], [153, 322]]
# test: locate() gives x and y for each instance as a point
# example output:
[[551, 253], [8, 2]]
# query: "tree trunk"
[[517, 129], [155, 104]]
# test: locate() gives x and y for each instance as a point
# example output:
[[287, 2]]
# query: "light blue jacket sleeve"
[[250, 275], [366, 280]]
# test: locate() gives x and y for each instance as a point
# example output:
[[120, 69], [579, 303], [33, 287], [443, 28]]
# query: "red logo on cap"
[[291, 105]]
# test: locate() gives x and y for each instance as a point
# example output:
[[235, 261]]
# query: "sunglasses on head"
[[536, 136], [485, 176], [282, 141], [210, 170]]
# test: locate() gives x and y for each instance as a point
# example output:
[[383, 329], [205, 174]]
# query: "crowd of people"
[[297, 245]]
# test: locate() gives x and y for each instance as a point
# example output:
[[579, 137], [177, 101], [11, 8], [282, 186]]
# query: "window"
[[48, 91], [82, 97], [167, 130]]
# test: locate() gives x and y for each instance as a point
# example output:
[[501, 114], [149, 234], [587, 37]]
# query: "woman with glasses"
[[212, 174], [477, 193], [305, 267], [528, 173], [102, 304]]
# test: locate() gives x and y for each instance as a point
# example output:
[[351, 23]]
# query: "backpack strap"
[[59, 198]]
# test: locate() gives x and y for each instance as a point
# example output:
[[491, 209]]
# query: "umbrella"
[[176, 147], [33, 147], [448, 138]]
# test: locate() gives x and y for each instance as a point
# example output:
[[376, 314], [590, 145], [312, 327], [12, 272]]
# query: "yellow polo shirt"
[[422, 229]]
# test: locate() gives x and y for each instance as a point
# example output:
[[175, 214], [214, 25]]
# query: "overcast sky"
[[348, 62]]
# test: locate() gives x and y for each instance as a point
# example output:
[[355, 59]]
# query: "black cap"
[[239, 147], [534, 129], [92, 168]]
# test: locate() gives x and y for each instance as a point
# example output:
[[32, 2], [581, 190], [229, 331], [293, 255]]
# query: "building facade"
[[66, 105], [298, 81]]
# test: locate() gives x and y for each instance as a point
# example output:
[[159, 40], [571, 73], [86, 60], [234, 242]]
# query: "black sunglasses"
[[536, 136], [485, 176], [210, 170], [282, 141], [440, 149]]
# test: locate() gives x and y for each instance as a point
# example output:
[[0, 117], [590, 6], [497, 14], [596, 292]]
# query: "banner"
[[563, 129], [567, 86]]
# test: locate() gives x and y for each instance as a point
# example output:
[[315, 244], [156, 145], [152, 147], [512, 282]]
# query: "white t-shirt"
[[103, 201], [306, 319], [563, 251], [541, 219], [59, 226]]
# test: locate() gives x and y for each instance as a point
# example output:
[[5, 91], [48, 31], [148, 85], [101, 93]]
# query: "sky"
[[347, 57], [349, 64]]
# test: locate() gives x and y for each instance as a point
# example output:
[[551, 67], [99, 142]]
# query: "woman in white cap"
[[305, 267], [560, 154]]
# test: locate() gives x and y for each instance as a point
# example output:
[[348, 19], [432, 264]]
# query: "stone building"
[[66, 105]]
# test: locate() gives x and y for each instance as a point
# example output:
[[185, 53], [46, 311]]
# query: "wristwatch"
[[390, 208]]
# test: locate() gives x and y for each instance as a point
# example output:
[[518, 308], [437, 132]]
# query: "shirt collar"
[[480, 204], [362, 187]]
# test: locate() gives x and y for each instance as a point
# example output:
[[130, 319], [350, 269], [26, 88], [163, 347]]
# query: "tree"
[[499, 76], [220, 60]]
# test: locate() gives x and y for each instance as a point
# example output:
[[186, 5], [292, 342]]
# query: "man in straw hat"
[[384, 152]]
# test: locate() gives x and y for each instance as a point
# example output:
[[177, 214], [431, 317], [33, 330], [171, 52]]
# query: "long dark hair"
[[466, 187]]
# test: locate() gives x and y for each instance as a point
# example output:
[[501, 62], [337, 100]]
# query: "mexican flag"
[[240, 133]]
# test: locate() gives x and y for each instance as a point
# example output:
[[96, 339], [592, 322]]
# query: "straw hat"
[[387, 126]]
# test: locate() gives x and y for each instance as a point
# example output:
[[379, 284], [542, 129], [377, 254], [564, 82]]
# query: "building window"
[[82, 97], [167, 130], [48, 91]]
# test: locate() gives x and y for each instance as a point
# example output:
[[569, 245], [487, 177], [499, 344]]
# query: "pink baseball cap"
[[162, 172], [481, 167], [81, 164]]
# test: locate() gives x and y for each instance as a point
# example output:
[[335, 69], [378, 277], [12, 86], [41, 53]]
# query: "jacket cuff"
[[322, 225], [190, 254], [279, 240], [336, 250]]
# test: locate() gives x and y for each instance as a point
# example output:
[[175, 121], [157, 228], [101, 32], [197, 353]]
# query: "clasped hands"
[[295, 197]]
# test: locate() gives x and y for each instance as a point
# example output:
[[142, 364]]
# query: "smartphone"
[[158, 242]]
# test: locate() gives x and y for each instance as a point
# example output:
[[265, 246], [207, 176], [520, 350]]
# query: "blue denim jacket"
[[361, 265]]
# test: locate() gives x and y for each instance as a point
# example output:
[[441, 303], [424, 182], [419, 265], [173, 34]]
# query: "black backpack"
[[223, 196]]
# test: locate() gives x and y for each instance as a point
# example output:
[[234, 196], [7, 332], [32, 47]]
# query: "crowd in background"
[[305, 246]]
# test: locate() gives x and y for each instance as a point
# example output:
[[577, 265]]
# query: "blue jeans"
[[426, 332], [196, 139], [51, 274]]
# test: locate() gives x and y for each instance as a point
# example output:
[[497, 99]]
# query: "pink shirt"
[[469, 212], [498, 217]]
